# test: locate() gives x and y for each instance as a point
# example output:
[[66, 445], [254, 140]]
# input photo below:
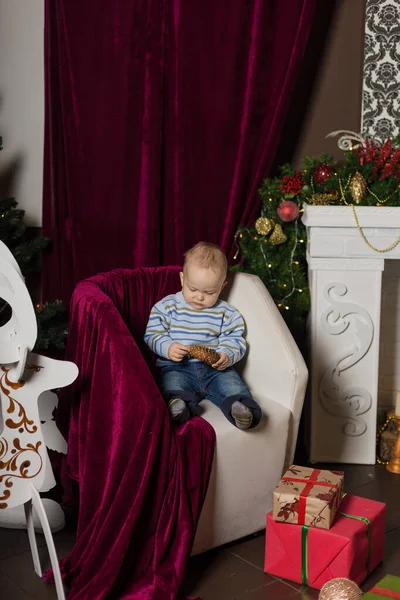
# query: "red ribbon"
[[384, 592], [325, 483], [311, 481]]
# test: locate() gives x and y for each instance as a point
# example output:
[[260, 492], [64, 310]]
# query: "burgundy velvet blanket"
[[142, 481]]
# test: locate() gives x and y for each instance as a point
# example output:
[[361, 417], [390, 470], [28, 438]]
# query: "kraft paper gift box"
[[308, 496], [352, 548], [388, 587]]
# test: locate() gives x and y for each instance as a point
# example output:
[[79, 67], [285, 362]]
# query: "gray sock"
[[178, 410], [242, 415]]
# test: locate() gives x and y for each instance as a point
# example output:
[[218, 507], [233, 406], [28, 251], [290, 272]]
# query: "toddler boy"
[[196, 316]]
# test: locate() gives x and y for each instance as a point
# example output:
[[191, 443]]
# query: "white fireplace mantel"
[[345, 277]]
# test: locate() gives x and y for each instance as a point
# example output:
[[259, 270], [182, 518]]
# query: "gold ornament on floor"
[[358, 187], [389, 418], [386, 445], [340, 589], [277, 236], [264, 226], [324, 199], [394, 464], [206, 355]]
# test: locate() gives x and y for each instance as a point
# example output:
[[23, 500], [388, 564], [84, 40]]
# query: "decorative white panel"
[[380, 117]]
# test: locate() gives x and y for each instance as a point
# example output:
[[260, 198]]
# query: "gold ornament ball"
[[277, 236], [358, 187], [263, 226], [340, 589]]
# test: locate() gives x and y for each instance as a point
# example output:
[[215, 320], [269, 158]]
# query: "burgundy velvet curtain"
[[161, 119]]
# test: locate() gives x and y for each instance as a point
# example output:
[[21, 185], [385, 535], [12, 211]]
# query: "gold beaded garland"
[[380, 250], [361, 232]]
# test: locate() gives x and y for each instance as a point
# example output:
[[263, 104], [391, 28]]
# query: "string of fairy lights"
[[262, 240]]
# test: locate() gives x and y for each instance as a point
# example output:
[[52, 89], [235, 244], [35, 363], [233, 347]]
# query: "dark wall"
[[329, 91]]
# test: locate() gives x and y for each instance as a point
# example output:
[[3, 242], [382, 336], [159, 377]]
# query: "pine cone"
[[358, 187], [206, 355]]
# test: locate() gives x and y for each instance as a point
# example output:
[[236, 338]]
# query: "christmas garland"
[[275, 246]]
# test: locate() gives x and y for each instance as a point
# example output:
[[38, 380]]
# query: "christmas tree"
[[274, 247], [26, 248]]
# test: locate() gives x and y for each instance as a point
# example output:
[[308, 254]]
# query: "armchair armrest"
[[273, 365]]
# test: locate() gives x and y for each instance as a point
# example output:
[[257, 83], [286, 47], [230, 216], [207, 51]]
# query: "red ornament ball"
[[288, 210], [322, 173]]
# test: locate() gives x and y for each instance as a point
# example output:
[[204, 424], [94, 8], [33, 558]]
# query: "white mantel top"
[[342, 216], [332, 231]]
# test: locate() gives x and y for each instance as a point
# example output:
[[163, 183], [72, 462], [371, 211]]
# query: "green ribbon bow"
[[304, 545]]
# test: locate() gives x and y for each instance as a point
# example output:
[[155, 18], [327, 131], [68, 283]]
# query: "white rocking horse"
[[25, 381]]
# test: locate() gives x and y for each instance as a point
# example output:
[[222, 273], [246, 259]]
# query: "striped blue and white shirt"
[[220, 327]]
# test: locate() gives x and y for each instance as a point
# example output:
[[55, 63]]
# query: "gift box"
[[388, 587], [308, 496], [352, 548]]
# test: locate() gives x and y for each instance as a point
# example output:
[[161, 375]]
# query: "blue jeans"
[[193, 381]]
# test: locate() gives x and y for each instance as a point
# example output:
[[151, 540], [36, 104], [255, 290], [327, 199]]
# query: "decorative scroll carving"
[[351, 402]]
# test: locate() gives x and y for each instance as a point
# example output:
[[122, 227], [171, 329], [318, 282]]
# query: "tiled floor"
[[232, 572]]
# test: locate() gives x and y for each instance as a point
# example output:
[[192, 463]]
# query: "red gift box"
[[352, 548]]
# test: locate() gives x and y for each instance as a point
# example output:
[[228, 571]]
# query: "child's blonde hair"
[[207, 255]]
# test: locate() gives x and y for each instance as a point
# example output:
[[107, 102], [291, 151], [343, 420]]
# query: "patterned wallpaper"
[[381, 82]]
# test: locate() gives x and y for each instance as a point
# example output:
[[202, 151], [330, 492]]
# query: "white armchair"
[[248, 464]]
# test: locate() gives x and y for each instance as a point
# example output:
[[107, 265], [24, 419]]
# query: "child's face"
[[201, 287]]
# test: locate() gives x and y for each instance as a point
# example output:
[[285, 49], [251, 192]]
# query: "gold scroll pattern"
[[17, 460]]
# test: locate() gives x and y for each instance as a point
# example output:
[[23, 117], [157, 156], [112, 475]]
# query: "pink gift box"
[[351, 548]]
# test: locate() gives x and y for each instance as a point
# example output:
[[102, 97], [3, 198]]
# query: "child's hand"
[[222, 362], [177, 352]]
